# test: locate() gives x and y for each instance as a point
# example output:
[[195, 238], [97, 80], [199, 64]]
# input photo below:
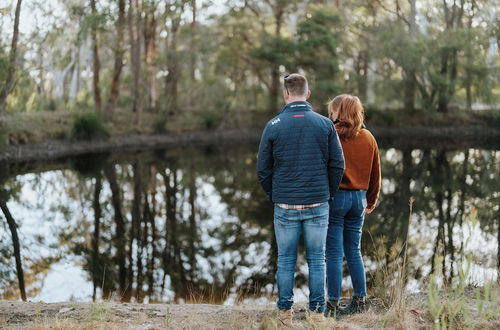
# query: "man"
[[300, 166]]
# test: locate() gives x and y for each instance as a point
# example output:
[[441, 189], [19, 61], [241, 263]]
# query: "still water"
[[193, 225]]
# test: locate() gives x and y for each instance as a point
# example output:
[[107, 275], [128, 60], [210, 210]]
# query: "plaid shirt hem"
[[298, 206]]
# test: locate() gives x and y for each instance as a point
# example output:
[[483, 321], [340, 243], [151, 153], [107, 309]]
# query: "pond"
[[191, 224]]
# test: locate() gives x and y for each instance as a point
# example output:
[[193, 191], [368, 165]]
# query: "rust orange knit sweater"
[[362, 165]]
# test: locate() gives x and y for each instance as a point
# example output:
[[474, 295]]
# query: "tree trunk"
[[136, 218], [96, 238], [134, 24], [95, 58], [193, 40], [41, 74], [151, 211], [17, 249], [11, 69], [409, 90], [362, 64], [410, 84], [405, 194], [172, 83], [174, 263], [118, 66], [413, 19], [192, 224], [150, 49], [275, 70], [443, 85], [119, 238], [449, 58], [498, 246]]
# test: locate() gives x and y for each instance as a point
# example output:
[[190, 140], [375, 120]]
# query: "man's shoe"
[[285, 317], [357, 305], [332, 309], [317, 319]]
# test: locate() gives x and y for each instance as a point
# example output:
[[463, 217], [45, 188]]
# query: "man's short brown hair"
[[296, 84]]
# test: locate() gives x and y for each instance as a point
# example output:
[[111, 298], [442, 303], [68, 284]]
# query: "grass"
[[460, 304], [168, 322], [456, 305], [98, 311]]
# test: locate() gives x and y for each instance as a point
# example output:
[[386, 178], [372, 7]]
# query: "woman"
[[357, 196]]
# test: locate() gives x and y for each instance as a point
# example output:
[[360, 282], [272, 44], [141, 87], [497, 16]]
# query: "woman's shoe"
[[357, 305], [332, 309]]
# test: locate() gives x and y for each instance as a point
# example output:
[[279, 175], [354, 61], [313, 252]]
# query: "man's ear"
[[308, 95], [285, 94]]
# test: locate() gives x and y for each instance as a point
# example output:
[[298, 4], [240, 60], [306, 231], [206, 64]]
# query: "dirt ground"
[[112, 315]]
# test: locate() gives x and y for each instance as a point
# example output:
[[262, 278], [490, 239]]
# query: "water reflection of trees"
[[193, 224], [449, 187], [158, 239]]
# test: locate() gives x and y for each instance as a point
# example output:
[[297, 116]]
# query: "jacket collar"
[[297, 106]]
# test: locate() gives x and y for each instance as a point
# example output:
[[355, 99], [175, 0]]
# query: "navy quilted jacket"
[[300, 158]]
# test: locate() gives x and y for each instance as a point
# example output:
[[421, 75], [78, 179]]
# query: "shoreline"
[[416, 137]]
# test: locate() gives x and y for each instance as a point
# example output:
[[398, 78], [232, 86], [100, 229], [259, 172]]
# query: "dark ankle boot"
[[332, 309], [357, 305]]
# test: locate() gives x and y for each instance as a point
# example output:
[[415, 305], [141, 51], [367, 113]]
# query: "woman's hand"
[[369, 210]]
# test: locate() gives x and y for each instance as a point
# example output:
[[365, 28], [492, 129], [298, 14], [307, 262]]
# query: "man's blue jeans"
[[288, 226], [347, 212]]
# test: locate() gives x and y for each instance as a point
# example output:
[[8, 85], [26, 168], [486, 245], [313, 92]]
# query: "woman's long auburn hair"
[[350, 115]]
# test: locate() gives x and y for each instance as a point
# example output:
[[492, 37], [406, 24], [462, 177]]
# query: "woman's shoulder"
[[365, 134]]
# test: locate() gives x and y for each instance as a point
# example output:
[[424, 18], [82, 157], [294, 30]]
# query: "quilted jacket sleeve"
[[335, 162], [265, 162]]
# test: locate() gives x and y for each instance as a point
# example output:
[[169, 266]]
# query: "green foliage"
[[495, 116], [237, 58], [211, 120], [316, 50], [160, 125], [4, 135], [89, 126], [379, 117], [274, 50]]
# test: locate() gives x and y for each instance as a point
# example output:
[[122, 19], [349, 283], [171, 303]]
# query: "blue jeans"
[[347, 212], [288, 225]]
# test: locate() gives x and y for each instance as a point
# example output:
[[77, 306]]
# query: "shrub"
[[211, 120], [495, 122], [160, 125], [89, 126], [4, 135]]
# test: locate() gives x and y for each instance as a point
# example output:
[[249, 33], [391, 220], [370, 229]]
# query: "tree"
[[449, 54], [174, 14], [135, 26], [316, 50], [118, 64], [150, 51], [15, 242], [272, 49], [95, 56], [11, 68]]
